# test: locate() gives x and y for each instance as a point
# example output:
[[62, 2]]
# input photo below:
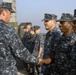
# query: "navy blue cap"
[[7, 5], [32, 28], [36, 27], [74, 15], [48, 17], [26, 24], [66, 17]]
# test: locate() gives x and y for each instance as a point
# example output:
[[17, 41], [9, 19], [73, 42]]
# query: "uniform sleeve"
[[41, 41], [36, 47], [73, 55], [18, 48]]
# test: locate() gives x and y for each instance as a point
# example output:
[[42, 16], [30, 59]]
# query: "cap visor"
[[42, 20], [12, 11], [57, 20], [45, 20], [74, 19], [60, 20]]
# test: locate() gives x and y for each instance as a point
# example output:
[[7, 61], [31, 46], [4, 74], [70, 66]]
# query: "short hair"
[[1, 10]]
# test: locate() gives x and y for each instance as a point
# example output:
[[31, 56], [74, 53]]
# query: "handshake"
[[40, 61]]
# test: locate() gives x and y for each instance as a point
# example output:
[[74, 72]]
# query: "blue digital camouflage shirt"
[[28, 41], [73, 59], [11, 43], [50, 41], [62, 55], [39, 42]]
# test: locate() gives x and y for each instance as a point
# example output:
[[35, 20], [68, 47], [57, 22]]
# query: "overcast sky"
[[33, 10]]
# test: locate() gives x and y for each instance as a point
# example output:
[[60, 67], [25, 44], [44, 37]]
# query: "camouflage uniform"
[[10, 42], [39, 42], [62, 57], [73, 52], [73, 59], [51, 40], [33, 37], [28, 41]]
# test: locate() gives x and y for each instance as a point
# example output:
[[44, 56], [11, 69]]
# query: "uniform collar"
[[2, 21], [72, 34], [49, 33], [55, 29]]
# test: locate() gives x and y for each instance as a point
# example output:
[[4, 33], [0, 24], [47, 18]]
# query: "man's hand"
[[40, 61], [38, 56]]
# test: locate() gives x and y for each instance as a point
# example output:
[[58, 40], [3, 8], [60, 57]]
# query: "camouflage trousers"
[[10, 70]]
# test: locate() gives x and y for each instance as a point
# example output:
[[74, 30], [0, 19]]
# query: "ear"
[[4, 13], [54, 22], [72, 24]]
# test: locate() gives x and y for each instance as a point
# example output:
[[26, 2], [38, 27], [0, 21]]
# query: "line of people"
[[34, 42], [59, 47], [59, 57]]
